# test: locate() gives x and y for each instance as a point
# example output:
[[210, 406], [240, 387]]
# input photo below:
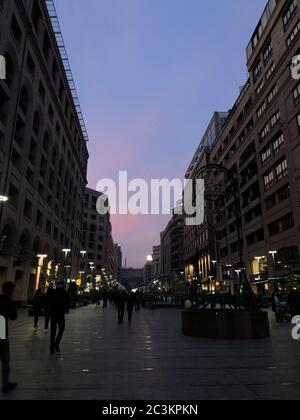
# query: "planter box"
[[226, 324]]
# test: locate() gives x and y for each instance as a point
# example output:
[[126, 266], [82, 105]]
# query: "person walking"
[[130, 306], [47, 298], [105, 298], [37, 307], [7, 312], [121, 304], [59, 307]]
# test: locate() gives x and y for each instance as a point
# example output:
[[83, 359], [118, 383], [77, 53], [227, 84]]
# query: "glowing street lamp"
[[40, 265], [66, 251], [149, 258], [3, 199]]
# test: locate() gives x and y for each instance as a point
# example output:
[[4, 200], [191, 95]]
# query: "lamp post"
[[41, 258], [273, 254], [238, 273], [66, 252]]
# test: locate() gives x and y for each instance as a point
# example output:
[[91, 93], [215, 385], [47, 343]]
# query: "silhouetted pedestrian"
[[8, 312], [47, 306], [138, 301], [38, 304], [59, 307], [105, 298], [121, 304], [130, 306]]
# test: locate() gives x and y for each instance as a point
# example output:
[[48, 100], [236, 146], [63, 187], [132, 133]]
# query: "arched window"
[[24, 100], [46, 142], [54, 155], [36, 123]]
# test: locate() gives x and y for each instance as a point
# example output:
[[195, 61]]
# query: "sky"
[[149, 75]]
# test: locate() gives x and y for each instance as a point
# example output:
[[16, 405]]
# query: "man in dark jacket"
[[58, 308], [7, 312]]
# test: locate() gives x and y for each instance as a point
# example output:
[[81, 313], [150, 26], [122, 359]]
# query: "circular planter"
[[226, 324]]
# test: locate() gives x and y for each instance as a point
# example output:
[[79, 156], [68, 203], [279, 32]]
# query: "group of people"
[[55, 304], [122, 300]]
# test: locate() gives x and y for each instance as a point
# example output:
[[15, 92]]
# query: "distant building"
[[156, 261], [131, 278], [119, 258], [171, 248], [98, 248]]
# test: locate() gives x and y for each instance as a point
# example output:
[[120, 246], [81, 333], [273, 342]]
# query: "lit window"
[[278, 144], [266, 156], [275, 119], [270, 71], [293, 34], [282, 170], [269, 180], [272, 94], [289, 14], [296, 94]]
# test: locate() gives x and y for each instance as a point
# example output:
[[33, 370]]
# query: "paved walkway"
[[150, 360]]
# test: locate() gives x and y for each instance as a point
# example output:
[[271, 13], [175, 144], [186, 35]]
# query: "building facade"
[[259, 146], [43, 152], [98, 251], [156, 261], [199, 241], [132, 278], [172, 249]]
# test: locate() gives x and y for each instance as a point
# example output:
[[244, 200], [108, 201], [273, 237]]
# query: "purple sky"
[[149, 75]]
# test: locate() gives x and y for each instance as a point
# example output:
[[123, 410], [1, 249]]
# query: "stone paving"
[[150, 360]]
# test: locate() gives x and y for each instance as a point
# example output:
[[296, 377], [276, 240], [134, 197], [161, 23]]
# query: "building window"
[[289, 14], [293, 34], [296, 95], [275, 119], [281, 225], [268, 52], [260, 87], [269, 180], [282, 170], [270, 71], [16, 30], [257, 70], [265, 131], [261, 109], [266, 156], [27, 209], [278, 144], [272, 94]]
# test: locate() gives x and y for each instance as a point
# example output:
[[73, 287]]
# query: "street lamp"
[[3, 199], [41, 258], [66, 251]]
